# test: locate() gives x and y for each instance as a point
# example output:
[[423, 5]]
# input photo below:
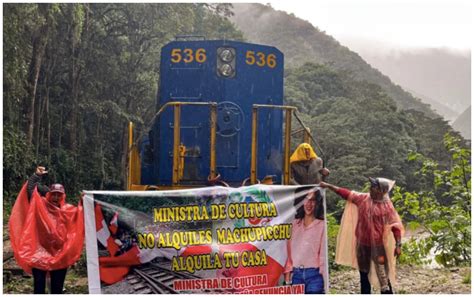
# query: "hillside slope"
[[463, 123], [301, 42], [442, 108]]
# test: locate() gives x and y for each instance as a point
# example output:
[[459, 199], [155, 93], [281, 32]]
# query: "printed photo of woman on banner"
[[307, 260], [259, 239]]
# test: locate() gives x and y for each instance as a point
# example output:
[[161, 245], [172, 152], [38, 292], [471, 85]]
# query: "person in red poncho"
[[365, 238], [46, 233]]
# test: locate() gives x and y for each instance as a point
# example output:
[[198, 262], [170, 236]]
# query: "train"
[[220, 118]]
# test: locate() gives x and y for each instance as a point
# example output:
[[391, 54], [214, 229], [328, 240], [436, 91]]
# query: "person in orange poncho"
[[46, 233], [364, 240], [306, 167]]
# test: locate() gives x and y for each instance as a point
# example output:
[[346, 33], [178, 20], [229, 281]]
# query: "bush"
[[443, 211]]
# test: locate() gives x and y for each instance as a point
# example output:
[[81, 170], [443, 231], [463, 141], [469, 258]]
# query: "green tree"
[[443, 210], [96, 68]]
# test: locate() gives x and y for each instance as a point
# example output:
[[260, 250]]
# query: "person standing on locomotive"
[[46, 233], [372, 217], [306, 167]]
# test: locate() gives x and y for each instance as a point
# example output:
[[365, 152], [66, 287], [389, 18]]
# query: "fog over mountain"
[[302, 42], [440, 77], [439, 74], [442, 108], [423, 79]]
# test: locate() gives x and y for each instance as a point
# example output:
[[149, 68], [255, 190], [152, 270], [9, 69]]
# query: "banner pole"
[[326, 284], [93, 275]]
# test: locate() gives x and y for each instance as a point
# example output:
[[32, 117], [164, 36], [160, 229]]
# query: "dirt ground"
[[411, 280], [17, 282]]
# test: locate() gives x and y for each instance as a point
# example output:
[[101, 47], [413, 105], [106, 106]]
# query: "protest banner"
[[252, 240]]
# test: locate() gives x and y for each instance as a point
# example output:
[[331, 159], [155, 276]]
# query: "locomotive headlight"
[[226, 62], [226, 55], [226, 70]]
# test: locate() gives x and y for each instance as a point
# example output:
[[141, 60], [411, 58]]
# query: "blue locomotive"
[[220, 117]]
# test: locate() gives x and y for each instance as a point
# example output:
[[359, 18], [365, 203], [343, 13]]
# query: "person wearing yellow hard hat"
[[306, 167]]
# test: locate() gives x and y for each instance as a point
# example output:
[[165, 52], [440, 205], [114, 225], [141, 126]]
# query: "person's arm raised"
[[35, 181], [343, 192]]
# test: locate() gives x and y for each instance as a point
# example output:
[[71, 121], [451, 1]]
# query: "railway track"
[[154, 278]]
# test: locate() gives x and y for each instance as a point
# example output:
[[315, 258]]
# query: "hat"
[[373, 182], [57, 188], [383, 184], [300, 155]]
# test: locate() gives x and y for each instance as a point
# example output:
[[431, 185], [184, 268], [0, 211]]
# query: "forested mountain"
[[360, 128], [366, 124], [443, 109], [301, 42]]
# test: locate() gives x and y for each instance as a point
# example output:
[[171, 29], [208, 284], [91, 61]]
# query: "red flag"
[[114, 269], [273, 269], [129, 258], [103, 233], [114, 224], [111, 275]]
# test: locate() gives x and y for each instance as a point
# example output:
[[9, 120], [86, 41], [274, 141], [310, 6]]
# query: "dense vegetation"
[[442, 210], [75, 74], [362, 133], [360, 129]]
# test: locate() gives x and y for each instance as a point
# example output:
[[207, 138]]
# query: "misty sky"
[[389, 24]]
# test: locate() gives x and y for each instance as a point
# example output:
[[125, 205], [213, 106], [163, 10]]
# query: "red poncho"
[[43, 235], [368, 223]]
